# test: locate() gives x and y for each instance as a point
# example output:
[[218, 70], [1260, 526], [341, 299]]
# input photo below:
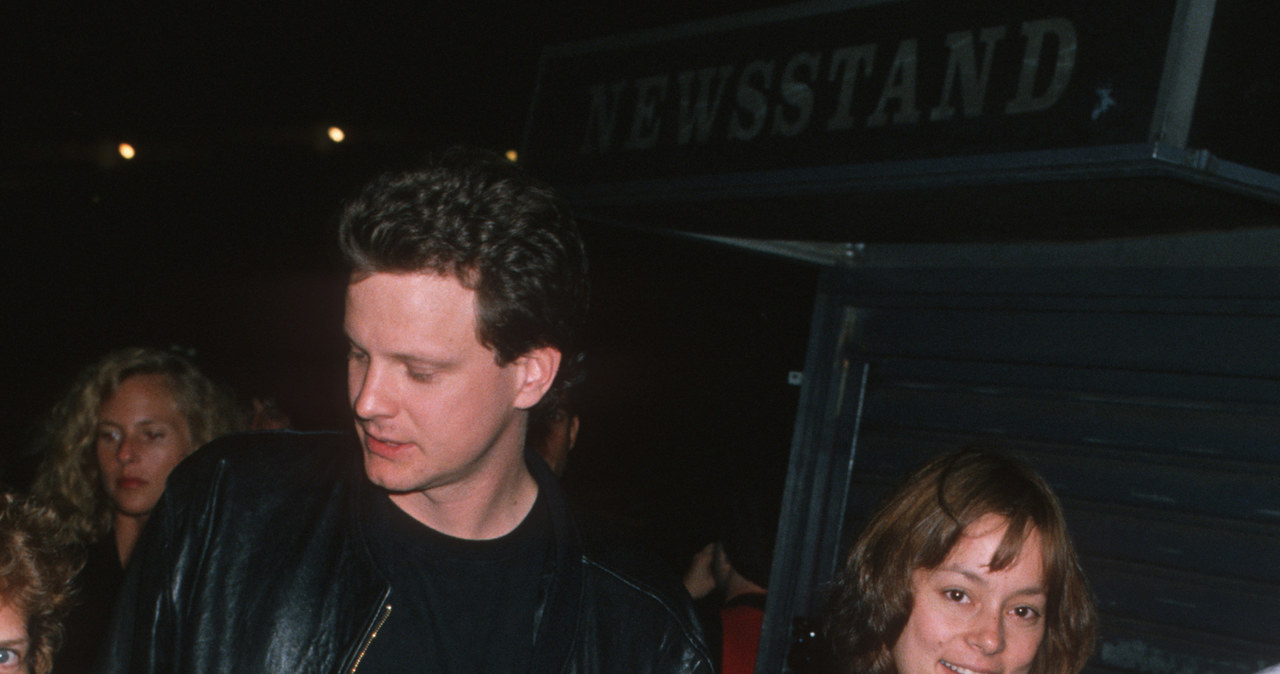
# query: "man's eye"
[[421, 377], [154, 435], [957, 596], [357, 355]]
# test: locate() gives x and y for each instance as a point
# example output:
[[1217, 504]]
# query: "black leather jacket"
[[254, 561]]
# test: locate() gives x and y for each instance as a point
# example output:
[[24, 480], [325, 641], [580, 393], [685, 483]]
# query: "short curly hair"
[[70, 479], [475, 216], [918, 527], [36, 573]]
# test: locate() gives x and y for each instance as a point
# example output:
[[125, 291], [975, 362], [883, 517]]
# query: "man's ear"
[[537, 370]]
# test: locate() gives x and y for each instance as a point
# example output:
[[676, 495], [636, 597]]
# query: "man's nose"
[[374, 397]]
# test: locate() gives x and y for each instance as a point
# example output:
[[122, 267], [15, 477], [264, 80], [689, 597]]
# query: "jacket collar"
[[559, 610]]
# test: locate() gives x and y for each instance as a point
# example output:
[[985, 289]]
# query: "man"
[[438, 544]]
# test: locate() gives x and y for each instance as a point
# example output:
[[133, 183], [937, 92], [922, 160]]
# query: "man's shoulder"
[[268, 450], [270, 462], [628, 590], [635, 573]]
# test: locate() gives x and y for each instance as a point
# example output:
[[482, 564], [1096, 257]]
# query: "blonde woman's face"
[[966, 618], [15, 646], [141, 436]]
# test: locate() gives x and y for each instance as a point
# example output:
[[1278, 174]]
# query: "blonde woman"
[[108, 448]]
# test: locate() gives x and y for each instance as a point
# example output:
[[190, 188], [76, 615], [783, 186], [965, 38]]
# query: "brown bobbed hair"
[[36, 573], [917, 528]]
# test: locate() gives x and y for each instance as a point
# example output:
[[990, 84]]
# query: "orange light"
[[126, 151], [512, 155], [336, 135]]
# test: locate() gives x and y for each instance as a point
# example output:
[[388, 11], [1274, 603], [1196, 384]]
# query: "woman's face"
[[141, 436], [967, 619], [14, 644]]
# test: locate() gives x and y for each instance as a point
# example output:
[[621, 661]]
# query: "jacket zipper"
[[377, 625]]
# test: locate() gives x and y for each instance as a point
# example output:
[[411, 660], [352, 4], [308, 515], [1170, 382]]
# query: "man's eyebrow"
[[421, 360], [410, 358]]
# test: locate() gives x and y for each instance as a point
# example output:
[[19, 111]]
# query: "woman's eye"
[[419, 376], [108, 436], [154, 435], [955, 595], [1026, 612]]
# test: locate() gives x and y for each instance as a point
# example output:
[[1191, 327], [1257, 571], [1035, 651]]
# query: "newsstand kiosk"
[[1055, 223]]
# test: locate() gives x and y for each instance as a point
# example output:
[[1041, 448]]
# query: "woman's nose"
[[987, 633], [128, 450]]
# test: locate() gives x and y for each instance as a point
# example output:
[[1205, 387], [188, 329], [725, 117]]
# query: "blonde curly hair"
[[70, 479], [36, 573]]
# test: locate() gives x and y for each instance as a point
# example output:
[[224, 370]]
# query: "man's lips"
[[384, 448]]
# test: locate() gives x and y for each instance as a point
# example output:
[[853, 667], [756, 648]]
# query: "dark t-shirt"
[[456, 605]]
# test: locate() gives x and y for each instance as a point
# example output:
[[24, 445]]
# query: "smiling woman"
[[967, 568]]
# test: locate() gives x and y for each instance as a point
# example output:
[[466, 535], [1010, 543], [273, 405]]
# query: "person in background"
[[729, 580], [553, 431], [966, 568], [268, 416], [108, 447], [434, 539], [35, 585]]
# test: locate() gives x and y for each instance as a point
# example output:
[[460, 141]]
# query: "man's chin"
[[391, 484]]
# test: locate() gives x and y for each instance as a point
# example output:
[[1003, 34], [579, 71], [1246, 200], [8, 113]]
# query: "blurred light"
[[336, 135], [126, 150], [512, 155]]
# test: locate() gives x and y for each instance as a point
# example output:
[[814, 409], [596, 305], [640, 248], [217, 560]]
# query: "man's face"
[[432, 406]]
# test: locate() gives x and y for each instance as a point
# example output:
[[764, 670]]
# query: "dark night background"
[[218, 237]]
